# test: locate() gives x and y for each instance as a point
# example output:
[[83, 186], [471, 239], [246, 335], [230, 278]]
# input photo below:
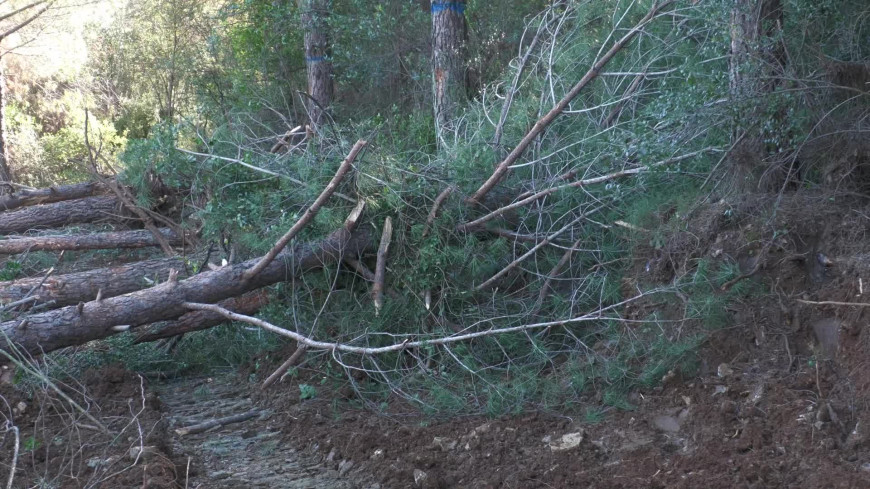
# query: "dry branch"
[[381, 266], [75, 325], [312, 211], [545, 121], [456, 338], [436, 206], [59, 214], [192, 321], [580, 183], [96, 241], [553, 274], [207, 425], [541, 244], [294, 359], [24, 198], [73, 288], [834, 303]]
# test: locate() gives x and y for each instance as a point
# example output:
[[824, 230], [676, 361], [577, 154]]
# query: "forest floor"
[[779, 400]]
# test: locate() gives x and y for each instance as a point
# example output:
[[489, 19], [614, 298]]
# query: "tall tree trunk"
[[754, 64], [318, 57], [5, 173], [448, 62]]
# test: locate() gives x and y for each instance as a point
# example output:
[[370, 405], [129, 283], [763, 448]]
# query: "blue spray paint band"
[[314, 59], [457, 7]]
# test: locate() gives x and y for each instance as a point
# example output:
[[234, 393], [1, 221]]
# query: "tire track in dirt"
[[250, 454]]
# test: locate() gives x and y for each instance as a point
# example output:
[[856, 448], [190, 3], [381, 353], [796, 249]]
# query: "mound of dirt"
[[780, 399], [113, 437]]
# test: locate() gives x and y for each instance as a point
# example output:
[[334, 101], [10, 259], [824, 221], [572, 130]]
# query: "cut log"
[[22, 198], [78, 287], [74, 325], [96, 241], [192, 321], [90, 209]]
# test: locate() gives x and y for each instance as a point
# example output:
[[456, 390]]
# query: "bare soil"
[[780, 400]]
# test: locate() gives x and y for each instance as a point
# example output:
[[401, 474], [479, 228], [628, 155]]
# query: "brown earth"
[[780, 399]]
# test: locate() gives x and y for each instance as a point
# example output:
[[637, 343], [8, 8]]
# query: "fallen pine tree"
[[58, 214], [74, 325], [96, 241], [60, 193], [72, 288]]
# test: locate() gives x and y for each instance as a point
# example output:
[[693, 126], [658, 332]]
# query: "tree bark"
[[24, 198], [449, 34], [192, 321], [96, 241], [59, 214], [318, 58], [75, 325], [5, 172], [78, 287]]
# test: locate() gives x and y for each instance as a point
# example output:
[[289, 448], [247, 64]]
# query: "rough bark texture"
[[94, 320], [59, 214], [83, 286], [96, 241], [5, 172], [22, 198], [192, 321], [448, 62], [318, 57]]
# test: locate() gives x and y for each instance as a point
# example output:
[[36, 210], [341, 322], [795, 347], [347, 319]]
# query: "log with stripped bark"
[[90, 209], [60, 193], [73, 288], [96, 241]]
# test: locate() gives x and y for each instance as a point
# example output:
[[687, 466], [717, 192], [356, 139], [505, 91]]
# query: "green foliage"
[[307, 391]]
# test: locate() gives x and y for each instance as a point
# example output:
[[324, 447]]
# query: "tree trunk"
[[448, 63], [318, 57], [247, 304], [75, 325], [59, 214], [23, 198], [78, 287], [96, 241], [5, 173]]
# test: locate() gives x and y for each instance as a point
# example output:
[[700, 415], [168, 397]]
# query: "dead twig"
[[294, 359], [541, 244], [835, 303], [214, 423], [545, 121], [596, 315]]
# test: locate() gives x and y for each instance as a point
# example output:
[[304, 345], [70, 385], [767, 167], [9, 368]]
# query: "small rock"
[[344, 467], [377, 454], [865, 467], [724, 370], [420, 477], [858, 437], [567, 441], [719, 389], [331, 456], [757, 394], [444, 443], [667, 424], [21, 407]]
